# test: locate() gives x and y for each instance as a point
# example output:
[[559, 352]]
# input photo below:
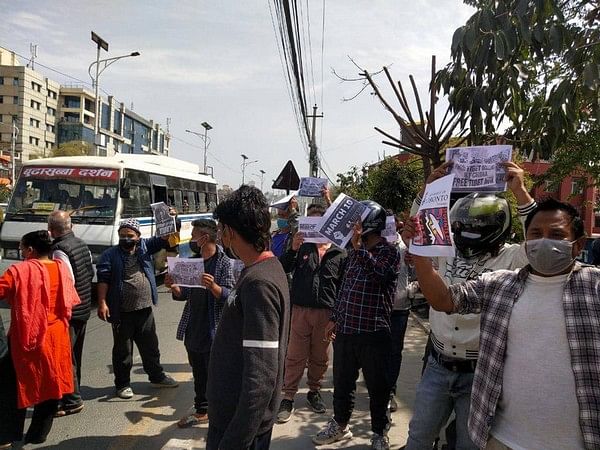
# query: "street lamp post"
[[245, 163], [13, 150], [262, 178], [204, 138], [101, 44]]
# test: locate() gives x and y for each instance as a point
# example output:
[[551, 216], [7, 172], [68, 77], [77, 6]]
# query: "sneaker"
[[393, 405], [286, 408], [379, 442], [125, 393], [332, 433], [316, 402], [67, 411], [166, 382], [192, 419]]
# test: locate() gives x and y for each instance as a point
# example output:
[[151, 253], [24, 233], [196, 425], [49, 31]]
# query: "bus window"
[[160, 194], [191, 200], [138, 203], [178, 203], [202, 202], [212, 201]]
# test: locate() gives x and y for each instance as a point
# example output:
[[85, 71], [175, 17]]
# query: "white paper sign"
[[311, 187], [165, 223], [389, 233], [308, 227], [186, 272], [478, 169], [337, 223], [282, 203], [435, 236]]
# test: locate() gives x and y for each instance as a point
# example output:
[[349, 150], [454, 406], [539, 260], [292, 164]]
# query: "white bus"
[[99, 192]]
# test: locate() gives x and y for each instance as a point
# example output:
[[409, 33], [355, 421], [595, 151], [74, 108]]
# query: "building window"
[[577, 186], [71, 101], [34, 140], [52, 94], [551, 186], [15, 81], [1, 99], [1, 80], [48, 144], [36, 87], [34, 123], [35, 105], [51, 111], [50, 128], [15, 100]]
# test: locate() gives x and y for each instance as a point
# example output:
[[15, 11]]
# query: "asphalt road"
[[147, 421]]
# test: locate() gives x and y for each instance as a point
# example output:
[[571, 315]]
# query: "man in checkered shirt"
[[537, 381], [361, 325]]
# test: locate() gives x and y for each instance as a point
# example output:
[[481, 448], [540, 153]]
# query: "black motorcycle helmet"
[[480, 222], [375, 220]]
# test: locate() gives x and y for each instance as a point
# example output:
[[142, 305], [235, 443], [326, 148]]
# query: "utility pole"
[[313, 158], [13, 148]]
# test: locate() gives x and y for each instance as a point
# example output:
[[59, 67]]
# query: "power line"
[[227, 166]]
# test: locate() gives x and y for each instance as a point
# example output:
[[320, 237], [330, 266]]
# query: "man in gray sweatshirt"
[[246, 368]]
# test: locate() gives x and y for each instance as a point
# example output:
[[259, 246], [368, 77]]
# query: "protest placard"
[[337, 223], [282, 203], [389, 233], [165, 223], [478, 169], [308, 227], [311, 187], [186, 272], [434, 237]]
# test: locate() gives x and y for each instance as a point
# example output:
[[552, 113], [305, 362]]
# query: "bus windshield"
[[90, 194]]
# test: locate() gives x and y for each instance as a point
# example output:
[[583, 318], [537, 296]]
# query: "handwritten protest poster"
[[165, 223], [478, 169], [389, 233], [308, 227], [434, 237], [186, 272], [311, 187], [337, 224]]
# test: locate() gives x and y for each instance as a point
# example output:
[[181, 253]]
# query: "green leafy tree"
[[72, 148], [391, 183], [533, 65]]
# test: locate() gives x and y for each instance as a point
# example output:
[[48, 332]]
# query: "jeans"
[[439, 392], [260, 442], [399, 322], [139, 327], [369, 352], [199, 362], [77, 335]]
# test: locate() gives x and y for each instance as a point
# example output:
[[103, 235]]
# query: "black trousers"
[[371, 353], [199, 362], [12, 419], [139, 327], [77, 335], [260, 442]]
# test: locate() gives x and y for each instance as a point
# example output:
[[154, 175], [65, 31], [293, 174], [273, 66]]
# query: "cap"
[[132, 224]]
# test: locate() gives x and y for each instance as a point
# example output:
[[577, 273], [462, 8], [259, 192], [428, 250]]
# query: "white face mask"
[[549, 256]]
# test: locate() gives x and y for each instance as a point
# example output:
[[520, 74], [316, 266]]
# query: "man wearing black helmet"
[[480, 225], [360, 324]]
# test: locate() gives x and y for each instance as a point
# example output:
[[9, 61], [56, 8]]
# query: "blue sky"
[[217, 61]]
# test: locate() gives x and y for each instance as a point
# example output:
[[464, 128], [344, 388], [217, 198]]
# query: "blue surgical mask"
[[282, 223]]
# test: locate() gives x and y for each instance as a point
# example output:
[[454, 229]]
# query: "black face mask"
[[194, 247], [127, 243]]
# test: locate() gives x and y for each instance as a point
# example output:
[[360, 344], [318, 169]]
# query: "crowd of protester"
[[512, 360]]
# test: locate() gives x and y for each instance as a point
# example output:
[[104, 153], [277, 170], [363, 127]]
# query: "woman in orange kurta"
[[40, 293]]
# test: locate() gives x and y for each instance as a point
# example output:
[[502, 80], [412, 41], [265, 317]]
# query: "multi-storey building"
[[47, 114]]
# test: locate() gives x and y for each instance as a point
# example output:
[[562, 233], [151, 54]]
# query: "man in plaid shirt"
[[537, 379], [361, 325]]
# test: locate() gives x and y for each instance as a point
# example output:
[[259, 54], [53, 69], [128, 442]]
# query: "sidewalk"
[[297, 433]]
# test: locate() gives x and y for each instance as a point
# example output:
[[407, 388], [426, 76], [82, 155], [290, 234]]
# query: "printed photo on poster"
[[308, 227], [434, 236], [186, 272], [337, 224], [389, 233], [165, 223], [311, 187], [478, 169]]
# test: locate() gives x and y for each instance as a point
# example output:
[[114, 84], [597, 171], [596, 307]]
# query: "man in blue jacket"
[[126, 293]]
